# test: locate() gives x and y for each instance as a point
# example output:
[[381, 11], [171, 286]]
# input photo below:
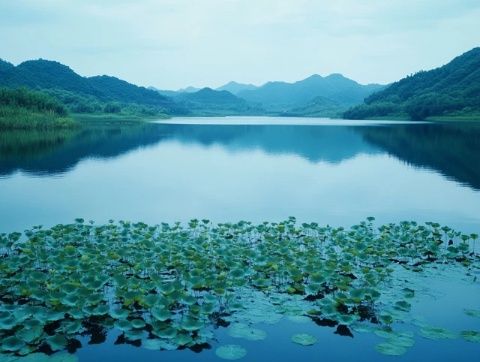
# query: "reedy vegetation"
[[26, 109]]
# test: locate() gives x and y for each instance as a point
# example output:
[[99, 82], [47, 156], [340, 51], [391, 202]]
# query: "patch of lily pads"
[[166, 287]]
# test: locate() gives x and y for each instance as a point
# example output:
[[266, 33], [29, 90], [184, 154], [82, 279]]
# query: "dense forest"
[[210, 102], [451, 90], [24, 109]]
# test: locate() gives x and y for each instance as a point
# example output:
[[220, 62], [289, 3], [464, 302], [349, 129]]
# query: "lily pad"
[[12, 344], [153, 344], [30, 334], [119, 313], [57, 342], [298, 319], [472, 312], [391, 349], [138, 323], [231, 352], [471, 336], [240, 330], [304, 339], [436, 333]]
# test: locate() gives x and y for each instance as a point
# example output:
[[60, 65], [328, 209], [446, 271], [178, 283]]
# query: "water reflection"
[[58, 152], [451, 149]]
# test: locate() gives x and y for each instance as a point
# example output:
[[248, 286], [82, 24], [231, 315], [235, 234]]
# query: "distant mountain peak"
[[236, 87], [336, 76], [5, 66], [232, 82], [314, 77], [45, 63], [4, 62], [189, 89], [205, 90]]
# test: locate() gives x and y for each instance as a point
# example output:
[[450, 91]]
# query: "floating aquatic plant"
[[231, 352], [436, 333], [304, 339], [391, 349], [471, 336], [472, 312], [240, 330], [168, 286]]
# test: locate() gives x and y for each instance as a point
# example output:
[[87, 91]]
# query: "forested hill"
[[451, 90], [66, 85], [210, 102]]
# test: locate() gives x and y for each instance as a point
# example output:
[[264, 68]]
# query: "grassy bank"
[[15, 118], [26, 109], [475, 117]]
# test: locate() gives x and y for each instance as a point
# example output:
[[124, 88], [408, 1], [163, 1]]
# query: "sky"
[[172, 44]]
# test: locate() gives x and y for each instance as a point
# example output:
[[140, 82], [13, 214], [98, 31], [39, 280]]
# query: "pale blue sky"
[[175, 43]]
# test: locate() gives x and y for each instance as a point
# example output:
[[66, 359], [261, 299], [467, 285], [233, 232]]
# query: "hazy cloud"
[[174, 43]]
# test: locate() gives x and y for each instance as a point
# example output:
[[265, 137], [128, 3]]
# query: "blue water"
[[335, 174]]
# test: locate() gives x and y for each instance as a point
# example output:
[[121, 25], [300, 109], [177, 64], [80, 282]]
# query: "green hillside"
[[209, 102], [318, 107], [451, 90], [83, 94]]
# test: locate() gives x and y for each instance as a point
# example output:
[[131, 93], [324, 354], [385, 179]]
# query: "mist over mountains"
[[314, 96]]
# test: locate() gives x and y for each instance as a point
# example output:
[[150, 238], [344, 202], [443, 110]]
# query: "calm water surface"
[[330, 172]]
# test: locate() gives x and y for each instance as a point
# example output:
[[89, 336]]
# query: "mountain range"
[[450, 90], [314, 96], [334, 89]]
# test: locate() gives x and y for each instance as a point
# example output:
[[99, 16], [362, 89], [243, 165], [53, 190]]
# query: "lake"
[[229, 169], [331, 172]]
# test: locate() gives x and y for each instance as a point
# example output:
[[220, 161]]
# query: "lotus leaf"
[[472, 312], [304, 339], [436, 333], [12, 344], [240, 330], [231, 352], [390, 349], [56, 342], [161, 314], [30, 334], [119, 313], [471, 336]]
